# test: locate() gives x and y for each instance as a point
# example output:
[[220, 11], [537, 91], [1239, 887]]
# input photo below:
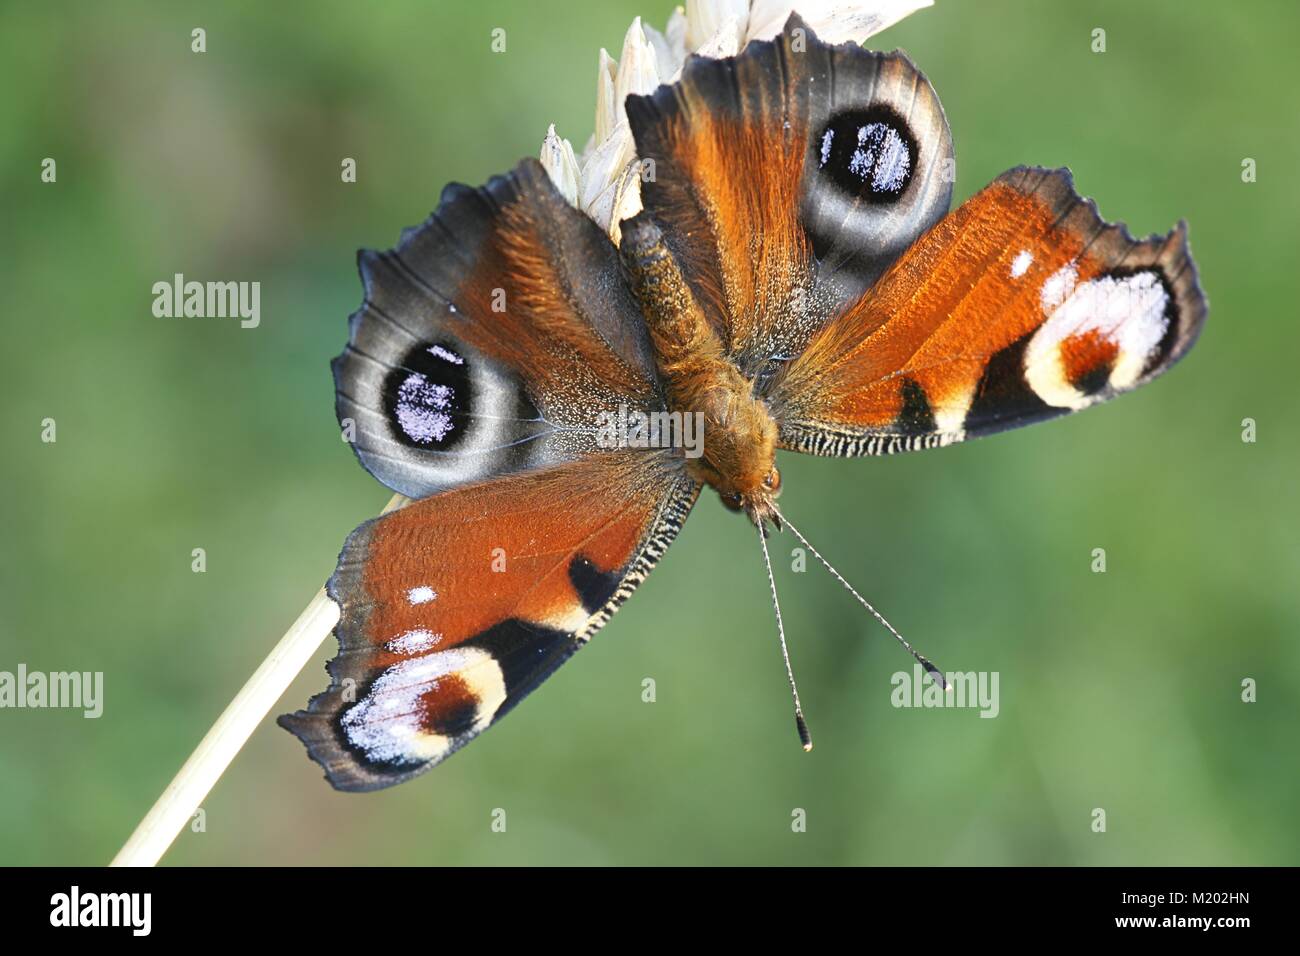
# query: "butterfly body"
[[794, 279], [738, 431]]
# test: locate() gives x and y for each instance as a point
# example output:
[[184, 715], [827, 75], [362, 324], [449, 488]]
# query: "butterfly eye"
[[732, 501], [772, 482], [869, 154]]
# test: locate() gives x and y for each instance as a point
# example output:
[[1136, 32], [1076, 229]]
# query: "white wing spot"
[[412, 642], [1021, 263], [1058, 286], [421, 595], [445, 354]]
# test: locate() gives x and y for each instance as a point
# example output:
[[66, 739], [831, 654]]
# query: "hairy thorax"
[[739, 456]]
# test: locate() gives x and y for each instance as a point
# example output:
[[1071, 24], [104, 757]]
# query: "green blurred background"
[[1118, 690]]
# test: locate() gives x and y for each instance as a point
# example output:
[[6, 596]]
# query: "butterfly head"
[[740, 436], [759, 504]]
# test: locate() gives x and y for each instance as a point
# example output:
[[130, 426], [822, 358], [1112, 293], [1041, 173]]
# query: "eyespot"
[[427, 396], [869, 154]]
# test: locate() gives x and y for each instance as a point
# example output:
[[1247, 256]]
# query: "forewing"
[[1019, 306]]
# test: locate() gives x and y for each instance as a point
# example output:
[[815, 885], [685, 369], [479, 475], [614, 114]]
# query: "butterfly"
[[794, 281]]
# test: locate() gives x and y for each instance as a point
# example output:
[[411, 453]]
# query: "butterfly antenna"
[[921, 659], [805, 738]]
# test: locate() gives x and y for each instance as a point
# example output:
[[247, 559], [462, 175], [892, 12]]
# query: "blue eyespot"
[[869, 154], [427, 397]]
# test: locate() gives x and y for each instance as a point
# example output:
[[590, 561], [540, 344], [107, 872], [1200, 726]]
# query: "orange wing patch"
[[787, 178], [526, 293], [1086, 356], [457, 606], [1020, 305], [726, 189]]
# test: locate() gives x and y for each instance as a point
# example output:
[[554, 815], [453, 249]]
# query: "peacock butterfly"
[[794, 279]]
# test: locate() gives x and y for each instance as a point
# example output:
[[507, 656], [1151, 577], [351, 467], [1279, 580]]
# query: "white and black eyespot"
[[428, 397], [878, 166], [869, 154], [436, 414]]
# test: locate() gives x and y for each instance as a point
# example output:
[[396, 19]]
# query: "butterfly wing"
[[489, 345], [786, 180], [1020, 305], [489, 340], [457, 606]]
